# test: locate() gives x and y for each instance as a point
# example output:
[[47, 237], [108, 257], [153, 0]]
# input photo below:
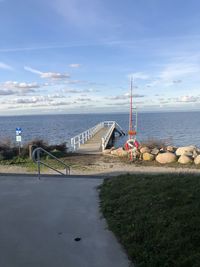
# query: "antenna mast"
[[131, 111], [132, 128]]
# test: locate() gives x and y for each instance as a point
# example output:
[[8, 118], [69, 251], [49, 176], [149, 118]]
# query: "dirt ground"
[[107, 165]]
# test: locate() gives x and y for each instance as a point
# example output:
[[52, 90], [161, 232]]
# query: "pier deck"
[[94, 145], [96, 139]]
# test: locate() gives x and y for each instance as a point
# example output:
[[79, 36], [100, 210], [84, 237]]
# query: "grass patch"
[[155, 217], [32, 166]]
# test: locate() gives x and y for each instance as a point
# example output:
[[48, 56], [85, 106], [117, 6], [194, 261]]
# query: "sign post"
[[19, 138]]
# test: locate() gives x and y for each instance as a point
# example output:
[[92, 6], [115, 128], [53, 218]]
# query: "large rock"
[[197, 160], [107, 151], [119, 152], [145, 149], [166, 157], [148, 156], [185, 150], [171, 149], [184, 159], [155, 151], [195, 154]]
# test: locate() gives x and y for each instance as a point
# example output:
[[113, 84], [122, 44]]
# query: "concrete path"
[[41, 218]]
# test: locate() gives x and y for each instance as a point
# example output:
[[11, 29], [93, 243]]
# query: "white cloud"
[[19, 85], [175, 73], [188, 99], [54, 75], [125, 96], [76, 91], [138, 76], [72, 91], [83, 99], [6, 92], [178, 70], [16, 88], [48, 75], [5, 66], [74, 65], [38, 101], [32, 70]]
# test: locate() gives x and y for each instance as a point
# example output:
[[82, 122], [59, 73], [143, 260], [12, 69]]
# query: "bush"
[[61, 147], [35, 143], [7, 151]]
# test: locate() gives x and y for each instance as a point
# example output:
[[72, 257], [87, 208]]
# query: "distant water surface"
[[180, 128]]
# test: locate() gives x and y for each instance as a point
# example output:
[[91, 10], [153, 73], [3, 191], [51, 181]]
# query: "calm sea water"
[[180, 128]]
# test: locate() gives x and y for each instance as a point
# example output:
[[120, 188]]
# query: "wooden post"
[[30, 151]]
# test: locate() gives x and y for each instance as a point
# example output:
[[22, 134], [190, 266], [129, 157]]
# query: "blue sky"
[[77, 56]]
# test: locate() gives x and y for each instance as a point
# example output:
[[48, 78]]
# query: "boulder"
[[114, 152], [166, 157], [155, 151], [148, 156], [145, 149], [119, 152], [107, 151], [185, 150], [171, 149], [123, 153], [197, 160], [195, 154], [184, 159]]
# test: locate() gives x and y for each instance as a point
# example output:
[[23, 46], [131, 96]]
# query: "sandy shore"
[[106, 166]]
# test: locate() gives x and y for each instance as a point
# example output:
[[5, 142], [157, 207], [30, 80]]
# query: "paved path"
[[41, 218]]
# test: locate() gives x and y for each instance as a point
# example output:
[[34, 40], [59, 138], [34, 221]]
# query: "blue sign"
[[18, 131]]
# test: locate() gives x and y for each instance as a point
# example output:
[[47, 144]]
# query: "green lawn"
[[155, 217]]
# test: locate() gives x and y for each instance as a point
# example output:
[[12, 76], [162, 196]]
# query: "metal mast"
[[132, 128], [131, 111]]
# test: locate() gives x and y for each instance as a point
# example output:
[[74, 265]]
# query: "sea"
[[175, 128]]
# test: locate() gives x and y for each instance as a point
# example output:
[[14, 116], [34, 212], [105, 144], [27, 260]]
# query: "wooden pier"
[[96, 139]]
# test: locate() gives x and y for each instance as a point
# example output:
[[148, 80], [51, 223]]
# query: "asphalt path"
[[55, 222]]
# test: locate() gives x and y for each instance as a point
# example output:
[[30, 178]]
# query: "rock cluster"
[[169, 154]]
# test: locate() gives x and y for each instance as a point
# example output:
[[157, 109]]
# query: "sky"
[[77, 56]]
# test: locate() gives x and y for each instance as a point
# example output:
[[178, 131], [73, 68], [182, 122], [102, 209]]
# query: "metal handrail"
[[37, 159]]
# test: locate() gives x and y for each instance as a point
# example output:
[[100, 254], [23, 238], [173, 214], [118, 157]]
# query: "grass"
[[155, 217], [32, 166]]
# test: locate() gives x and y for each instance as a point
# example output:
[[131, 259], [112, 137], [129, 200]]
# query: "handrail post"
[[38, 162], [36, 158]]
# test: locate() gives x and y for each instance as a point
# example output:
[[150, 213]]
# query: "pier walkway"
[[96, 139]]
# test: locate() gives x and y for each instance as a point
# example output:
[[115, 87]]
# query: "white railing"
[[83, 137], [106, 138]]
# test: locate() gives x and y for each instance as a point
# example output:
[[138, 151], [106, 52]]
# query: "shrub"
[[7, 151], [61, 147]]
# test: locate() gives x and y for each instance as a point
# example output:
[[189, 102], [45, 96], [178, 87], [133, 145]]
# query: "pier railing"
[[83, 137], [105, 139]]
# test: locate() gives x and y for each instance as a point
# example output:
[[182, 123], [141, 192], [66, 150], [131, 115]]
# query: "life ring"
[[131, 143]]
